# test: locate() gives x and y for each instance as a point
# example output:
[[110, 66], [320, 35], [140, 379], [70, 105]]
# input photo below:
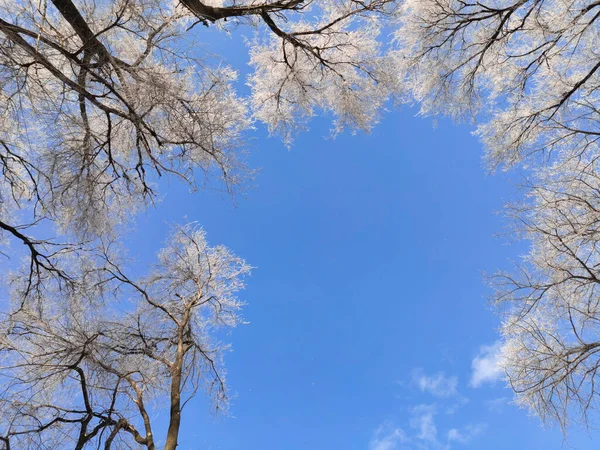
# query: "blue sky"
[[368, 304], [368, 321], [369, 327]]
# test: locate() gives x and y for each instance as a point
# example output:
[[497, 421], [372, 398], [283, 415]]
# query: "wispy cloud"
[[387, 437], [485, 365], [429, 425], [422, 433], [438, 385], [423, 422]]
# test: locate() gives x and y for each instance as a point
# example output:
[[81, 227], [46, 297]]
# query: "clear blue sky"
[[368, 304]]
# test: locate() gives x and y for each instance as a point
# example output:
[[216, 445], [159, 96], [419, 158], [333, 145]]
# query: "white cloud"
[[440, 386], [437, 385], [485, 365], [424, 423], [454, 435], [423, 433], [426, 426], [387, 437]]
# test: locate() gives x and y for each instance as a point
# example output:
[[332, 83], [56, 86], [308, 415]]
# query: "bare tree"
[[83, 368]]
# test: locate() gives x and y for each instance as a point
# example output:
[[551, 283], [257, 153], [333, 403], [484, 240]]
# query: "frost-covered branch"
[[527, 72], [98, 100], [552, 315], [80, 366], [529, 68]]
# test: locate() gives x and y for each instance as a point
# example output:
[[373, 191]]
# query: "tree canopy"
[[100, 98], [527, 72]]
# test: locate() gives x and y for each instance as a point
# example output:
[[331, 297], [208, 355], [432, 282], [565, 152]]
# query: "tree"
[[98, 100], [528, 71], [551, 351], [528, 67], [81, 371]]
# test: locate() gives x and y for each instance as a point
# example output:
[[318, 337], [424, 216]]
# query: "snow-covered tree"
[[527, 71], [99, 98], [552, 304], [529, 68], [84, 370]]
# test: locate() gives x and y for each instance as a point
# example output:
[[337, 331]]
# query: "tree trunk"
[[175, 413]]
